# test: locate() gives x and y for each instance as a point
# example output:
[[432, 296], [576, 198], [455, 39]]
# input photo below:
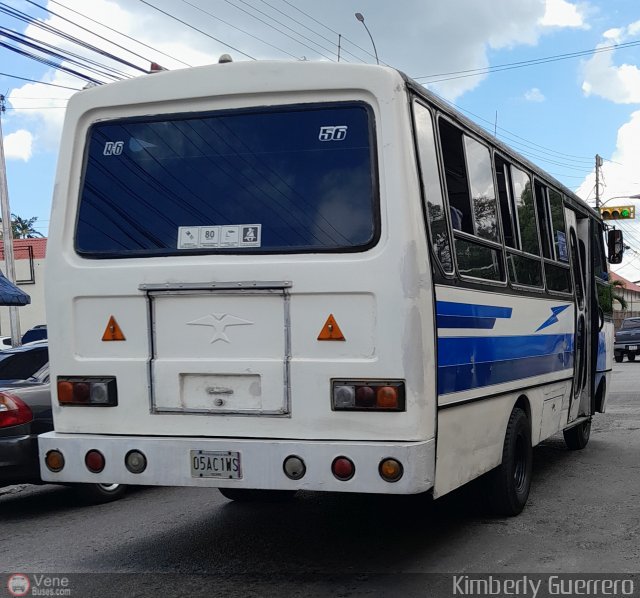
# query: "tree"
[[23, 228]]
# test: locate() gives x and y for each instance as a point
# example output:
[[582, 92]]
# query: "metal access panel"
[[220, 349]]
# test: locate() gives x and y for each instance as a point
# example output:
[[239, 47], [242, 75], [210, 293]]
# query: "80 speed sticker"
[[205, 237]]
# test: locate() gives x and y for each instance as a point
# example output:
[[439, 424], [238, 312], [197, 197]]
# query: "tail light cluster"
[[367, 395], [135, 461], [101, 392], [13, 411]]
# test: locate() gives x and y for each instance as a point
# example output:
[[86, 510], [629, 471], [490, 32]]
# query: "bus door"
[[578, 242]]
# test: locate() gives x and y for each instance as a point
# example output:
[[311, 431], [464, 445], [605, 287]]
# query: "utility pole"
[[598, 166], [7, 234]]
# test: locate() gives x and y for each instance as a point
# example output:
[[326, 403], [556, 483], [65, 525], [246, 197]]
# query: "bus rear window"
[[281, 180]]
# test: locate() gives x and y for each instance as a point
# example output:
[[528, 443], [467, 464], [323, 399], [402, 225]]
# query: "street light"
[[360, 18]]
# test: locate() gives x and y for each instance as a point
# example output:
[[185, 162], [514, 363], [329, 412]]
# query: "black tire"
[[576, 438], [618, 358], [251, 495], [96, 494], [631, 357], [508, 484]]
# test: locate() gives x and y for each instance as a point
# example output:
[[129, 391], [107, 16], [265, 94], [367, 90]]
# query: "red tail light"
[[13, 411]]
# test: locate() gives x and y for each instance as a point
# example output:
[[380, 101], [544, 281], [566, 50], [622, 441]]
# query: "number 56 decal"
[[333, 133]]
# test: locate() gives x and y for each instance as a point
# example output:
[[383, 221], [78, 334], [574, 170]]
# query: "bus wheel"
[[510, 482], [99, 493], [251, 495], [576, 438]]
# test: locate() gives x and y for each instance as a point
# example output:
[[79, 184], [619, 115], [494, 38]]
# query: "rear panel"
[[221, 298]]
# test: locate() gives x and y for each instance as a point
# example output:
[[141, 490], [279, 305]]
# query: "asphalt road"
[[583, 516]]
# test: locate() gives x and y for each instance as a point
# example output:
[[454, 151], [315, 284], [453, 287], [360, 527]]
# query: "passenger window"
[[524, 270], [523, 199], [544, 220], [478, 261], [456, 177], [432, 189], [506, 205], [483, 194], [558, 226]]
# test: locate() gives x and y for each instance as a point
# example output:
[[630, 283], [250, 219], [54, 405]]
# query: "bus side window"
[[434, 202], [553, 233], [544, 219], [456, 177], [472, 204], [559, 228]]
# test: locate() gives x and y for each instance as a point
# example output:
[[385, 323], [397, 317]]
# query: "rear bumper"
[[19, 460], [623, 348], [169, 462]]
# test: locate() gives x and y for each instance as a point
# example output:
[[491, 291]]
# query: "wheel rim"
[[520, 465], [109, 487]]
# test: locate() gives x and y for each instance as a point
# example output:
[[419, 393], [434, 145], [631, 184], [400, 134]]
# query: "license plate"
[[216, 464], [632, 347]]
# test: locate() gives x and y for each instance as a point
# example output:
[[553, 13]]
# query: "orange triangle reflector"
[[112, 331], [331, 331]]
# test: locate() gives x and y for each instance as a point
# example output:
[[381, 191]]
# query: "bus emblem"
[[219, 323]]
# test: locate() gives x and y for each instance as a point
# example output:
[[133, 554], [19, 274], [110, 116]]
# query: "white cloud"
[[560, 13], [617, 83], [18, 145], [534, 95]]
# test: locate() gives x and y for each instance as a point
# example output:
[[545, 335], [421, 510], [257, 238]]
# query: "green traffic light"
[[625, 213]]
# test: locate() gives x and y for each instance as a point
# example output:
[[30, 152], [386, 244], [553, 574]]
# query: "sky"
[[579, 98]]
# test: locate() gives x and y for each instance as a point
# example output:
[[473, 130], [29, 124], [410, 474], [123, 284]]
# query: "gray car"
[[25, 412], [627, 341]]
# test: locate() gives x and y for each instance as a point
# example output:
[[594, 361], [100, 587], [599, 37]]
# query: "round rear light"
[[390, 470], [54, 460], [81, 392], [343, 468], [387, 397], [294, 467], [365, 396], [135, 461], [94, 460]]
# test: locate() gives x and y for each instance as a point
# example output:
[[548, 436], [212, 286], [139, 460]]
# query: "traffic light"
[[618, 212]]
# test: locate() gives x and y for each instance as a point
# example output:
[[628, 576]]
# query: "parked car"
[[36, 333], [627, 340], [20, 363], [25, 412]]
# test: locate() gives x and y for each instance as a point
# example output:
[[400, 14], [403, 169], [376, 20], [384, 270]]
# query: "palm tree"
[[23, 228]]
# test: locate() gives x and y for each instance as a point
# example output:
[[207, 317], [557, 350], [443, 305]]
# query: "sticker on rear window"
[[207, 237]]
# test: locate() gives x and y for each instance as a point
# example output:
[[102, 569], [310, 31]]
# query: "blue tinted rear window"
[[290, 179]]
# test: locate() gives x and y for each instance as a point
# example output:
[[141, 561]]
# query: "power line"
[[39, 82], [120, 33], [198, 30], [278, 30], [331, 41], [55, 14], [241, 30], [523, 63], [367, 52]]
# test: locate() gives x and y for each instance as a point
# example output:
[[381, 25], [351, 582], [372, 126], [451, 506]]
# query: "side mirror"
[[615, 245]]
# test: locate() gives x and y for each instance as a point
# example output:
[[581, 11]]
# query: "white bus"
[[270, 277]]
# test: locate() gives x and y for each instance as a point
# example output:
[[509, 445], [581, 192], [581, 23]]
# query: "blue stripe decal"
[[456, 378], [451, 308], [465, 322], [601, 363], [478, 349], [465, 363]]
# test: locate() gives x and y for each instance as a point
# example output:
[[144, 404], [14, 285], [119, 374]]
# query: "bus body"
[[274, 276]]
